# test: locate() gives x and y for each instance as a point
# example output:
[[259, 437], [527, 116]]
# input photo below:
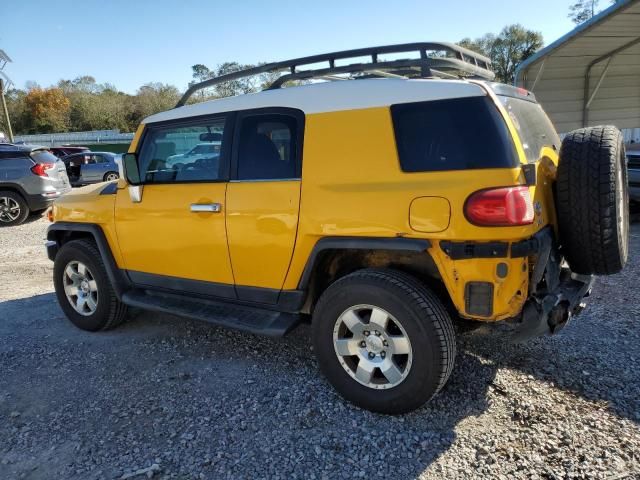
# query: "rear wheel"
[[111, 176], [83, 288], [383, 340], [593, 201], [13, 208]]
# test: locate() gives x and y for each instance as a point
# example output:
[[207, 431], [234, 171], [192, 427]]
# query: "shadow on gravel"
[[200, 399]]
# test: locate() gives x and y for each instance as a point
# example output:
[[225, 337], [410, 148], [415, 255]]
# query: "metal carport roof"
[[590, 76]]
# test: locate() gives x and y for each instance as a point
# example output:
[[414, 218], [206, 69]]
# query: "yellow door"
[[262, 221], [263, 200], [163, 235], [174, 236]]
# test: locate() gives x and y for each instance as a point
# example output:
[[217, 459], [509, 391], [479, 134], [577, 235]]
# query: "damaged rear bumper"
[[555, 293]]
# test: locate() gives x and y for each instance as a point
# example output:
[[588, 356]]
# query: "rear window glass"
[[534, 127], [43, 156], [454, 134]]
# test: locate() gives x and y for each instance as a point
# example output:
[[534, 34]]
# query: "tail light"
[[497, 207], [41, 168]]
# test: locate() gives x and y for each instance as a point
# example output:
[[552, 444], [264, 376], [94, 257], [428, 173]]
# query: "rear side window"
[[534, 127], [267, 148], [6, 155], [454, 134]]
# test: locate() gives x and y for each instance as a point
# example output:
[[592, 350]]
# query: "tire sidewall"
[[623, 190], [24, 208], [74, 251], [423, 378]]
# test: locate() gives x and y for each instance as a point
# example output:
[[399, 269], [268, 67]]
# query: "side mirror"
[[131, 168]]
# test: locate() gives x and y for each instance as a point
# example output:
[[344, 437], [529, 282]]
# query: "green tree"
[[583, 10], [152, 98], [507, 49]]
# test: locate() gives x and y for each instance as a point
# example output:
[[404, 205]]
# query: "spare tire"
[[592, 201]]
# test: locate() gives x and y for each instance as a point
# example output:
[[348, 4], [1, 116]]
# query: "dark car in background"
[[64, 150], [92, 167], [633, 165], [31, 178]]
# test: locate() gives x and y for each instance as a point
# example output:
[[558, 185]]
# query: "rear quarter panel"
[[353, 186]]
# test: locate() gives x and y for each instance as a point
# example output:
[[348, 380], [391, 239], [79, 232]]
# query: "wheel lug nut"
[[371, 354], [377, 333], [383, 354], [362, 344], [385, 343], [366, 333]]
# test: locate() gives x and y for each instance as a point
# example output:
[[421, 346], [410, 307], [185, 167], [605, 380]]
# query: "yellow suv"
[[380, 206]]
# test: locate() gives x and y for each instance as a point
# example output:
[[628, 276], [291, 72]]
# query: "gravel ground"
[[172, 398]]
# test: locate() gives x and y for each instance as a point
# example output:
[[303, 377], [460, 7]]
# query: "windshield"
[[534, 127]]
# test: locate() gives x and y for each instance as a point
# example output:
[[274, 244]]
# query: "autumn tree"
[[48, 109]]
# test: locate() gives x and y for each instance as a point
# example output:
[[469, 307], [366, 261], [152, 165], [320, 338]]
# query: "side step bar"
[[239, 317]]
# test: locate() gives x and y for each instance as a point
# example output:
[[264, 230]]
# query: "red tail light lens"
[[41, 168], [499, 207]]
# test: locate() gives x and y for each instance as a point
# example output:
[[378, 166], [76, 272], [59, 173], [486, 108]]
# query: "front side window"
[[454, 134], [183, 153], [267, 148]]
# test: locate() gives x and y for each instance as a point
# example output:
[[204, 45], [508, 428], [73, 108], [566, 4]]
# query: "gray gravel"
[[164, 397]]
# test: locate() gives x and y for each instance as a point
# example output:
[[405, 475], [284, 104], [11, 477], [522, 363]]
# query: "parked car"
[[202, 151], [63, 151], [91, 167], [378, 209], [633, 164], [31, 178]]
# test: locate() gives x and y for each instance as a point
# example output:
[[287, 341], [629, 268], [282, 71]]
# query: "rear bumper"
[[555, 293], [41, 201]]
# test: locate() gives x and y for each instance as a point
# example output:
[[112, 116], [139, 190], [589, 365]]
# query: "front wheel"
[[83, 288], [383, 340]]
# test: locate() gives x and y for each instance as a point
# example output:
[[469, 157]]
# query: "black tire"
[[423, 317], [593, 201], [106, 175], [109, 312], [22, 214]]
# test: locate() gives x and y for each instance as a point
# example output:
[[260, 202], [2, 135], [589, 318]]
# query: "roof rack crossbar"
[[462, 60]]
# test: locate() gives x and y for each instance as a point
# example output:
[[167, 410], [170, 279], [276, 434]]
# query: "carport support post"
[[6, 112]]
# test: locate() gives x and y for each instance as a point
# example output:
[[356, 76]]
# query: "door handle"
[[206, 207]]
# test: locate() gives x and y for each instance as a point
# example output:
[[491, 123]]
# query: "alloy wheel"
[[9, 210], [372, 346], [80, 288]]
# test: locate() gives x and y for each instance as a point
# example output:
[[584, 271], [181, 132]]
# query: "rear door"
[[263, 200], [56, 172]]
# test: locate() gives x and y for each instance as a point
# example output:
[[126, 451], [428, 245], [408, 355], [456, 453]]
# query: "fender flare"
[[398, 244], [57, 231]]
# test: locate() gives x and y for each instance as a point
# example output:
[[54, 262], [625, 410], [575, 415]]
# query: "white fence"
[[95, 136]]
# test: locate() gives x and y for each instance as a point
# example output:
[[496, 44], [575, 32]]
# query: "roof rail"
[[457, 62]]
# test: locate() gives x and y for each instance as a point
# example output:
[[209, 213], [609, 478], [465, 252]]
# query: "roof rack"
[[456, 62]]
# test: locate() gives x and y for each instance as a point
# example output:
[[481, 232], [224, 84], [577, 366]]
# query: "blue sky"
[[129, 43]]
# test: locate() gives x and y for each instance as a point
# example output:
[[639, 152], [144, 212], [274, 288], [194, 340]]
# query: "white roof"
[[566, 76], [332, 96]]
